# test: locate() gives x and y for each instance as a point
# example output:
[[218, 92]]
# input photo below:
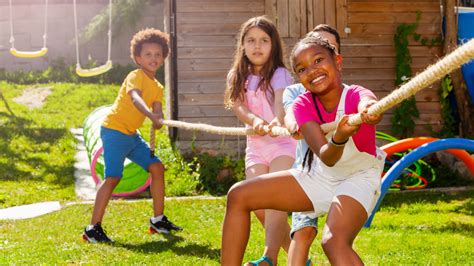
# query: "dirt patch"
[[33, 97]]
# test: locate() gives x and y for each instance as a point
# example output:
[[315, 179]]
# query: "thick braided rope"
[[152, 141], [446, 65], [450, 62], [210, 129]]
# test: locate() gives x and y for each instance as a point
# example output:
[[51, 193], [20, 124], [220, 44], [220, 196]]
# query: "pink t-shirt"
[[305, 111], [262, 104]]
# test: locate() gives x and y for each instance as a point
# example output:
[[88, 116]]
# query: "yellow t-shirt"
[[124, 116]]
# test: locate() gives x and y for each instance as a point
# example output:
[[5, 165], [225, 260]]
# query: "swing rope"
[[100, 69], [29, 54], [446, 65]]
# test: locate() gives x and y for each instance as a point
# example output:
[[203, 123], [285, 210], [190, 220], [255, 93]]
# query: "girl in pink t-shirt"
[[255, 86], [342, 180]]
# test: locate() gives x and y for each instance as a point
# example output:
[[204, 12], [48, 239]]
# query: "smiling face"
[[257, 46], [150, 58], [317, 68]]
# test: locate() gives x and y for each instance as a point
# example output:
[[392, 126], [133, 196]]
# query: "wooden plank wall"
[[206, 33], [369, 54], [206, 41], [367, 48]]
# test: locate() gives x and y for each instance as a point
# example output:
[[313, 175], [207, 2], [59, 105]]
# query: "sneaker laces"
[[98, 228]]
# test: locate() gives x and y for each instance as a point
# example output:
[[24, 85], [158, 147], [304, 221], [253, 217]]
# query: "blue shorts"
[[300, 220], [119, 146]]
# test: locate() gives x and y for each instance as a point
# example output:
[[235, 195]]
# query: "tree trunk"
[[465, 109]]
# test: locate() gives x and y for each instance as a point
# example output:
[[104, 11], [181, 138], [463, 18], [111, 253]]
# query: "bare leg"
[[345, 219], [157, 187], [104, 193], [254, 171], [300, 245], [267, 192], [277, 230]]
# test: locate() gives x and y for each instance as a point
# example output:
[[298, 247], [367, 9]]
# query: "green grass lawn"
[[37, 164], [37, 149], [411, 229]]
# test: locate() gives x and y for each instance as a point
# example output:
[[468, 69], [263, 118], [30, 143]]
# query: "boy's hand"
[[370, 119], [259, 125], [157, 121]]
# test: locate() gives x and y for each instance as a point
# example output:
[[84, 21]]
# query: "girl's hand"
[[370, 119], [293, 128], [344, 130], [291, 125], [273, 123], [259, 125]]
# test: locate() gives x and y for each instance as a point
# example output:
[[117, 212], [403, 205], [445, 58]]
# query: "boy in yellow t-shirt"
[[140, 91]]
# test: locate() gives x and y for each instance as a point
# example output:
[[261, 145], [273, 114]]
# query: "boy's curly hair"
[[149, 35]]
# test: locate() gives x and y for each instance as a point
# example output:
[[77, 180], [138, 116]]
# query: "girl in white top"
[[342, 180]]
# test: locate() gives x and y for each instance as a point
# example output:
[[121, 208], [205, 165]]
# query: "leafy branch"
[[124, 14]]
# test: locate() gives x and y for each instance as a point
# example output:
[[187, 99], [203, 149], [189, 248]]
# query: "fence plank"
[[367, 29], [206, 52], [341, 17], [330, 12], [220, 6], [214, 17], [200, 64], [392, 6], [294, 19], [283, 20], [310, 14], [303, 18], [393, 18], [188, 40], [271, 9], [201, 99], [210, 87], [318, 12]]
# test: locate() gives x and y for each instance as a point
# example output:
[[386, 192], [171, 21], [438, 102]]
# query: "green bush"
[[218, 173], [59, 71], [180, 177]]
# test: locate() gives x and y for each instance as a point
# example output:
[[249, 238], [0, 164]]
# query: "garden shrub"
[[217, 173], [59, 71]]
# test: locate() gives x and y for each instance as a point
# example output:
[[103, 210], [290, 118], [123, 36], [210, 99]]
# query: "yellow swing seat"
[[93, 71], [28, 54]]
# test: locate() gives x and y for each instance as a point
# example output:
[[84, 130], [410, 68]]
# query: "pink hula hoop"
[[98, 181]]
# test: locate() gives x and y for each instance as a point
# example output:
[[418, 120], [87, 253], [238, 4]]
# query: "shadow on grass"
[[7, 106], [397, 199], [31, 144], [465, 229], [171, 243]]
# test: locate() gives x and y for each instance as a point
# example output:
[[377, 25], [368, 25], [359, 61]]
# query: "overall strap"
[[342, 103], [340, 107], [317, 109]]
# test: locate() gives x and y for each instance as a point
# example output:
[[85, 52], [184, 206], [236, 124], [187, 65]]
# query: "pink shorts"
[[264, 152]]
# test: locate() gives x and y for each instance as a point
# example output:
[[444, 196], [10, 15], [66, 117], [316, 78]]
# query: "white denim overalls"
[[356, 174]]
